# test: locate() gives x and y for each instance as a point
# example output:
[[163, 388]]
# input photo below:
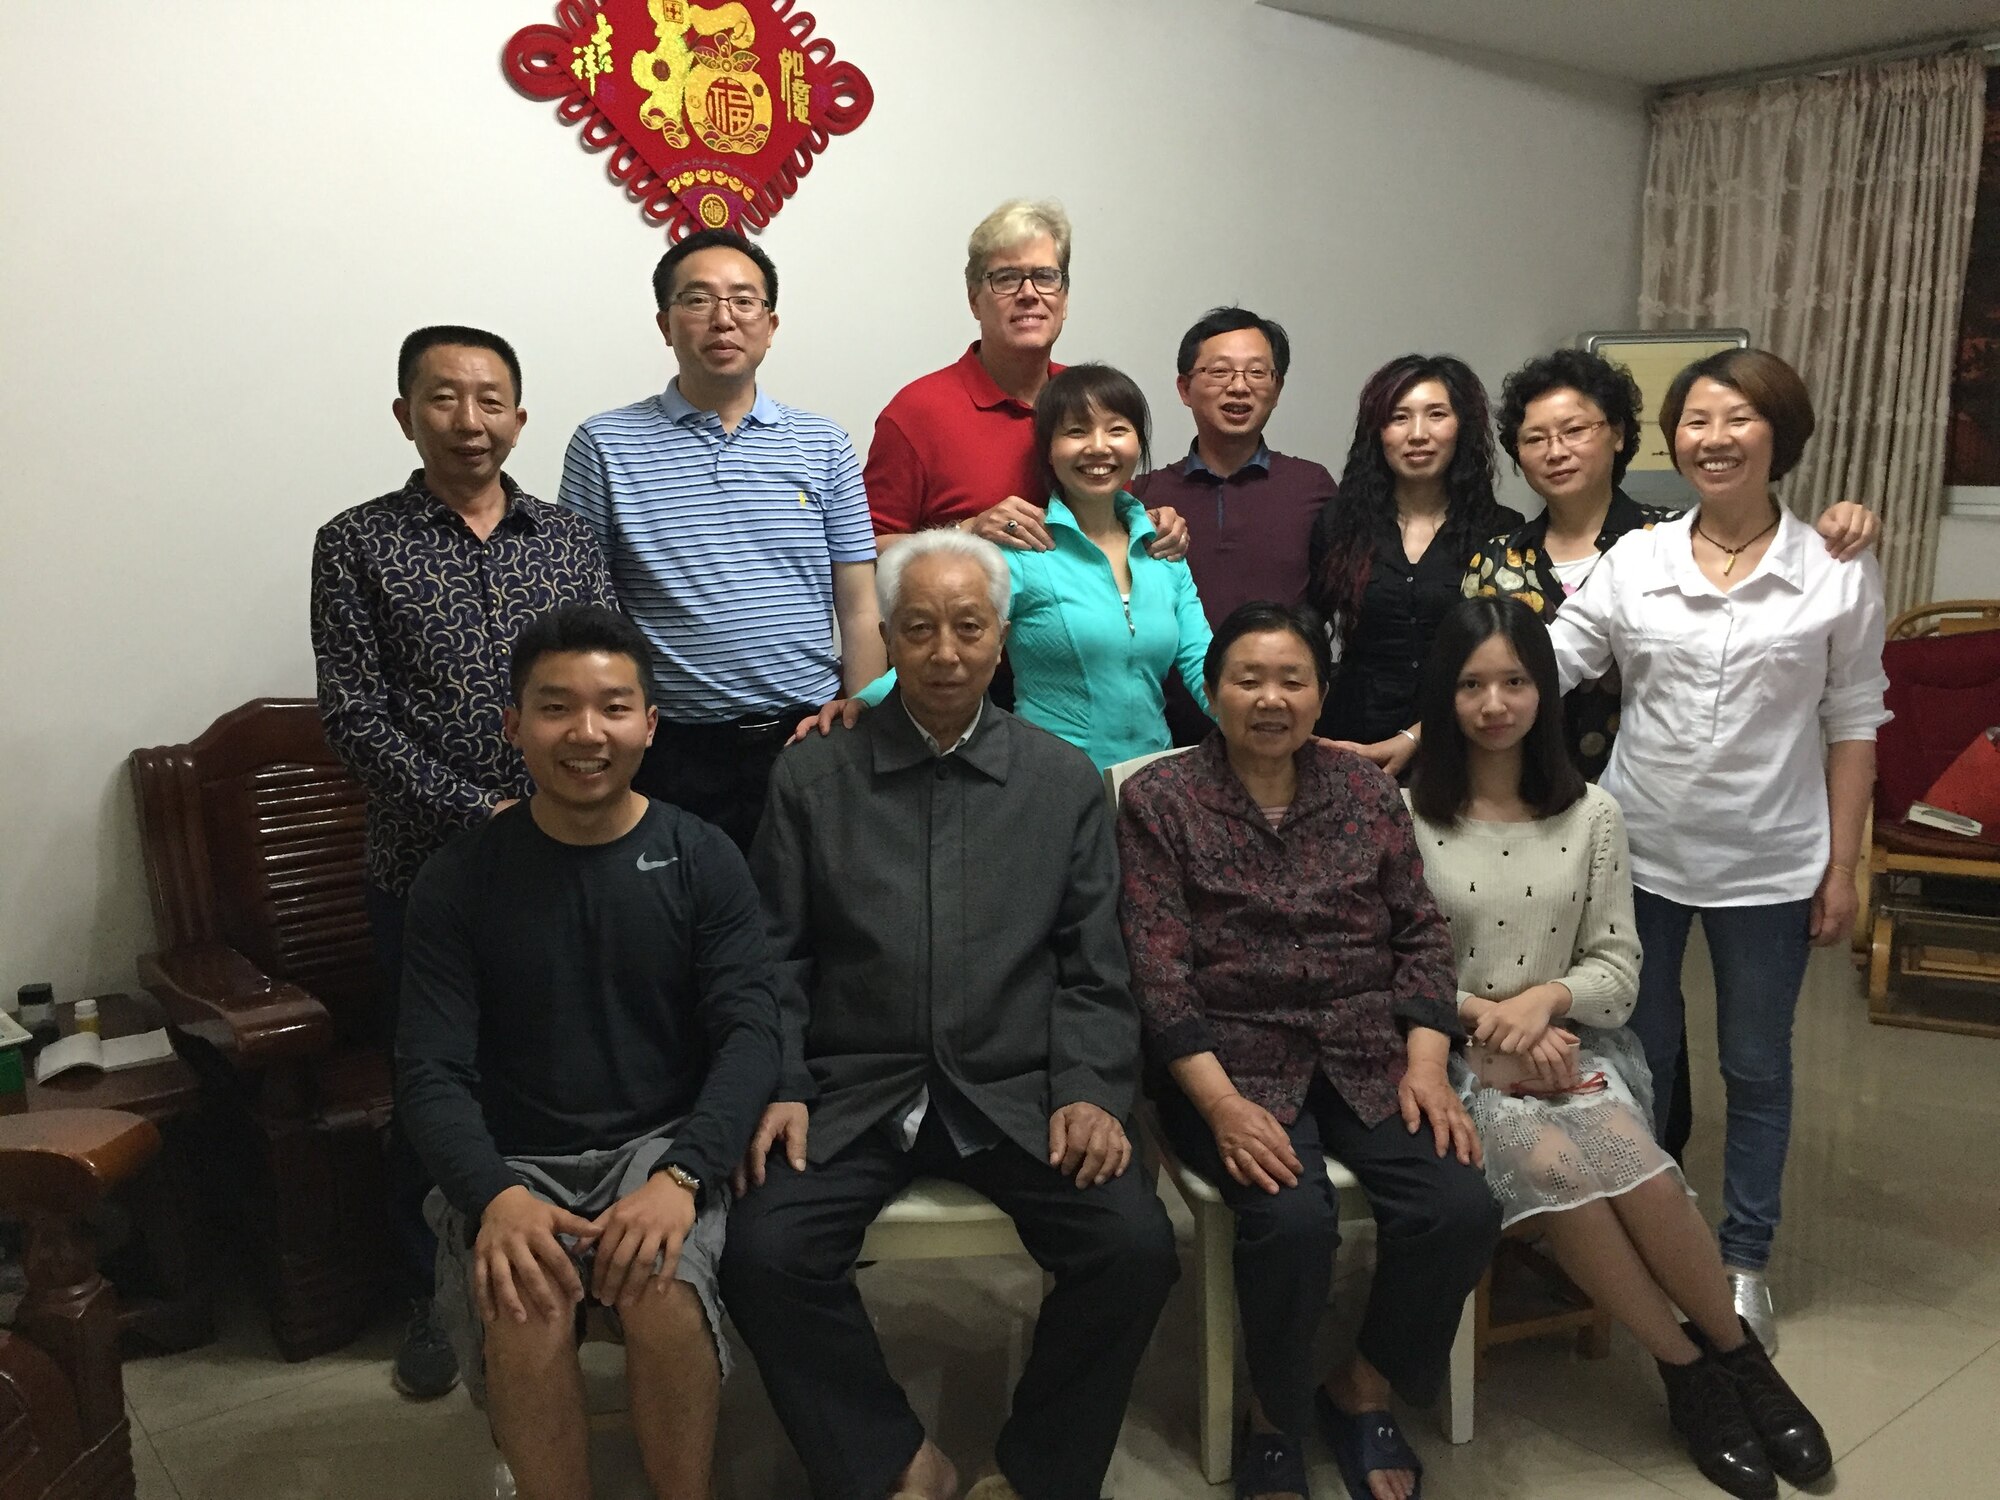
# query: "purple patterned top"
[[1309, 947]]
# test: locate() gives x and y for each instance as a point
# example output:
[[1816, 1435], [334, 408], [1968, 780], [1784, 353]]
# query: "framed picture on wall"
[[1655, 357]]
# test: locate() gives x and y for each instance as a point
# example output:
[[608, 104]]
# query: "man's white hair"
[[1013, 224], [945, 541]]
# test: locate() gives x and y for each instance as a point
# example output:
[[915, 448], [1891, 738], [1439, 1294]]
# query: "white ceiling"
[[1655, 42]]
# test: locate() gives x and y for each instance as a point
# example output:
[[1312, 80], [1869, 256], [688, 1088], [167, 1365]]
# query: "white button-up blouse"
[[1729, 701]]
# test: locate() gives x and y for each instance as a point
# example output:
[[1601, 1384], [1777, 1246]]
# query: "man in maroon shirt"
[[1249, 512], [957, 446]]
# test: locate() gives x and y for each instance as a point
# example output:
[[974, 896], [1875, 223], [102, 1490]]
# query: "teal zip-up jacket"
[[1085, 669]]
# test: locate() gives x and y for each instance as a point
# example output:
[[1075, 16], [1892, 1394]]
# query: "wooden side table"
[[164, 1200]]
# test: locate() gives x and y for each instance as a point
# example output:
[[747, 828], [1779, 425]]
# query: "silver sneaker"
[[1752, 1296]]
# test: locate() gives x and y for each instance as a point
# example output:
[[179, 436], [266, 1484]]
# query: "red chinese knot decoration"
[[712, 113]]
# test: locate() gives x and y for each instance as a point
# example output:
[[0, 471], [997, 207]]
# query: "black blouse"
[[1375, 683]]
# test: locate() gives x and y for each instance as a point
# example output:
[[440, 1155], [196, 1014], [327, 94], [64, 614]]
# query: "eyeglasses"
[[1571, 437], [1048, 280], [1220, 376], [745, 307]]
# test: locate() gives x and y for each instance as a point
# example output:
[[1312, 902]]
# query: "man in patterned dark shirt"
[[416, 599]]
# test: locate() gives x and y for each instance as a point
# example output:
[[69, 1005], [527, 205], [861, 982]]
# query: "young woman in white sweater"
[[1530, 866]]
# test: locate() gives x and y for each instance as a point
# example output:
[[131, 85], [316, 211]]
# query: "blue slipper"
[[1269, 1463], [1364, 1443]]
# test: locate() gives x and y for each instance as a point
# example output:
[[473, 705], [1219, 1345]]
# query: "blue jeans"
[[1759, 954]]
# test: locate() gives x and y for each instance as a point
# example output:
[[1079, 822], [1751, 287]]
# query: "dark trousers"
[[412, 1246], [1436, 1225], [719, 772], [1679, 1126], [787, 1279]]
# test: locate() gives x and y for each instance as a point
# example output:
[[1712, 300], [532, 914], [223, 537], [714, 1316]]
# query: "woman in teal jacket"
[[1096, 621]]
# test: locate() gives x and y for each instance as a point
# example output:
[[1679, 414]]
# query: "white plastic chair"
[[1215, 1257], [933, 1219]]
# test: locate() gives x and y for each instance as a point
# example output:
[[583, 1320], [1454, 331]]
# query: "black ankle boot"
[[1706, 1411], [1791, 1436]]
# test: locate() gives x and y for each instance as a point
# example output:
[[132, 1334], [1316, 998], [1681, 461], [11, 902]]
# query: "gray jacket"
[[950, 917]]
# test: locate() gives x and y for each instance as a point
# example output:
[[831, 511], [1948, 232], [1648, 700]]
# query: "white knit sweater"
[[1534, 902]]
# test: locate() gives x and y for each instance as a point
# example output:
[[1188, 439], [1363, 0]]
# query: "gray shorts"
[[585, 1185]]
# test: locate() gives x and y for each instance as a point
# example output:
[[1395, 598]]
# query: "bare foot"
[[930, 1476], [1357, 1388]]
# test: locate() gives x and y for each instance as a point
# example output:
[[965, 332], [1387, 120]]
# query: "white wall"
[[1968, 558], [222, 217]]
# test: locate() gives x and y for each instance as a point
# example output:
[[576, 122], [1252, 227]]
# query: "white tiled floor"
[[1887, 1278]]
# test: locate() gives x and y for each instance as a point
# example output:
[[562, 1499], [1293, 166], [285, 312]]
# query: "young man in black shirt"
[[589, 1032]]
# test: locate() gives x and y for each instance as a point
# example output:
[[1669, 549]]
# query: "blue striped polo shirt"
[[721, 546]]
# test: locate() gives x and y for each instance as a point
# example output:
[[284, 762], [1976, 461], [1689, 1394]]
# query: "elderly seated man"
[[942, 882]]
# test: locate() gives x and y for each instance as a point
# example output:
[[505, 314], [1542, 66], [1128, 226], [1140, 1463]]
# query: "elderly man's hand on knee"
[[519, 1266], [1087, 1144], [783, 1127]]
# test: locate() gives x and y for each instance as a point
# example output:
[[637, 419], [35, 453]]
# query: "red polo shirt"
[[947, 446]]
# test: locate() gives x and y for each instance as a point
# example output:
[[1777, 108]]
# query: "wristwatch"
[[684, 1178]]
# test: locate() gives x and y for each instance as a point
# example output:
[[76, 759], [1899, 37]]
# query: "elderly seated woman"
[[1297, 982]]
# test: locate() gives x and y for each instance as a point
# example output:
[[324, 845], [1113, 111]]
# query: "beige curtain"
[[1832, 217]]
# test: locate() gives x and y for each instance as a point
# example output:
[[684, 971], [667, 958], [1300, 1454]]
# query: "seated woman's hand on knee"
[[1253, 1146]]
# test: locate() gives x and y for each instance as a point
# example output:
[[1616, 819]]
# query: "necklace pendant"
[[1729, 565]]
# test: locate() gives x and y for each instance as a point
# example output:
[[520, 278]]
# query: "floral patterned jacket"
[[1517, 564], [1306, 948]]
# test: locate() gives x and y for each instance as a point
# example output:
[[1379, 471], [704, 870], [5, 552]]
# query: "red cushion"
[[1943, 690]]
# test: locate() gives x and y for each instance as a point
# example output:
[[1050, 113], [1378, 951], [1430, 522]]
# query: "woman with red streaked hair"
[[1389, 552]]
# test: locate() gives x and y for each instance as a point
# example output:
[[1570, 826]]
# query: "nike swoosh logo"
[[657, 864]]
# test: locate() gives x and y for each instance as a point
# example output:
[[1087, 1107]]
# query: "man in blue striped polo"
[[737, 532]]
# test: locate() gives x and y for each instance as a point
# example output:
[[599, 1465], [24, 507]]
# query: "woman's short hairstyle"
[[1070, 397], [1441, 785], [1262, 617], [1610, 386], [1014, 223], [1767, 383], [578, 627], [946, 541]]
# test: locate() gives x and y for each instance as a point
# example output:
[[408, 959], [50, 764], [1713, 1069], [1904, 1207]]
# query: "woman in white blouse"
[[1529, 864], [1752, 665]]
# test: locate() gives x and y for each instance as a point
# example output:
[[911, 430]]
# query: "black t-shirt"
[[561, 998]]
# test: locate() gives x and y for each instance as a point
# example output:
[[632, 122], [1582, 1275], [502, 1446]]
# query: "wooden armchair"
[[1943, 663], [63, 1430], [253, 848]]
